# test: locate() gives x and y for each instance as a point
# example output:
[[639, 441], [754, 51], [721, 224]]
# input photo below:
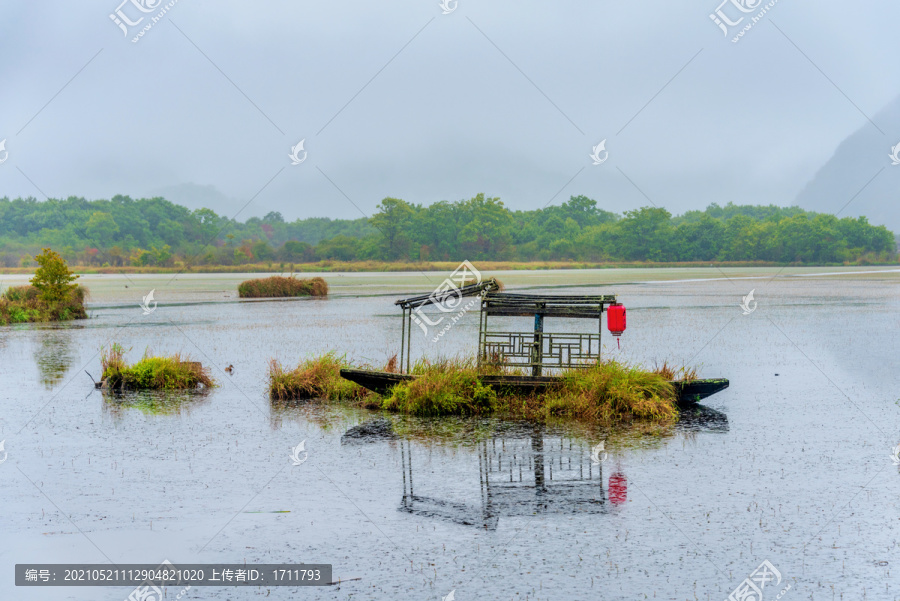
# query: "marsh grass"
[[279, 286], [608, 391], [317, 377], [22, 304], [449, 387], [670, 372], [151, 373]]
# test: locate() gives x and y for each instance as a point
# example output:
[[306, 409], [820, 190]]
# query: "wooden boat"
[[535, 351], [689, 392]]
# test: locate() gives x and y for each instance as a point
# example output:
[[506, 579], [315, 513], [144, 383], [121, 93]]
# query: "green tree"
[[53, 278], [262, 251], [101, 228], [392, 218]]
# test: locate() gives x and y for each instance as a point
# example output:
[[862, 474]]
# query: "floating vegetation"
[[607, 391], [279, 286], [151, 373]]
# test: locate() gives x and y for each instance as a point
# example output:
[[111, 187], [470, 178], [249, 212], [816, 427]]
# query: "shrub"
[[53, 278], [279, 286]]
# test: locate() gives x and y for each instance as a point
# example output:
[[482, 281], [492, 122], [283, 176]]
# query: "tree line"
[[155, 232]]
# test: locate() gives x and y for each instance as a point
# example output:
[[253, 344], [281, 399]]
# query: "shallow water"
[[791, 464]]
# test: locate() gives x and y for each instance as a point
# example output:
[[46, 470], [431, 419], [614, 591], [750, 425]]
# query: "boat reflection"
[[523, 469], [534, 474]]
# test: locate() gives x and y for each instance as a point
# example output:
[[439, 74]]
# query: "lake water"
[[790, 465]]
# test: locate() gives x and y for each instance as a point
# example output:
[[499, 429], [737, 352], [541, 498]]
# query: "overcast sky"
[[398, 99]]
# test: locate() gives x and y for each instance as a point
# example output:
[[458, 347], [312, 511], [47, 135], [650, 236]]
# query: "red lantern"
[[615, 319]]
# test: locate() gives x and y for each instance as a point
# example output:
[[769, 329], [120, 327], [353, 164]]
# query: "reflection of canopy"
[[523, 469], [518, 476]]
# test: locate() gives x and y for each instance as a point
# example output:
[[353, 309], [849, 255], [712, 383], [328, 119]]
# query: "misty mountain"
[[861, 173]]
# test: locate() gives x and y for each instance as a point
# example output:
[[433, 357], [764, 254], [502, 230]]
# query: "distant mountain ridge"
[[861, 173]]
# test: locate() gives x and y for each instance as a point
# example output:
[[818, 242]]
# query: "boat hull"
[[689, 393]]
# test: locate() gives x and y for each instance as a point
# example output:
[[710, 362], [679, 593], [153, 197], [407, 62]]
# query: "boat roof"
[[440, 295], [503, 303]]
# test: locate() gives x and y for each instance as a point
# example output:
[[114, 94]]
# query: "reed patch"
[[281, 287]]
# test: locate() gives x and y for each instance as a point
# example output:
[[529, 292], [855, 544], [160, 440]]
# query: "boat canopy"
[[445, 293], [523, 305]]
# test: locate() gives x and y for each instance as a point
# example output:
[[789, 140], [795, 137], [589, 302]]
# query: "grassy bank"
[[607, 391], [278, 286], [22, 304], [151, 373]]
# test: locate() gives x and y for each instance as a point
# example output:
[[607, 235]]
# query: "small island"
[[279, 287], [150, 373], [51, 296]]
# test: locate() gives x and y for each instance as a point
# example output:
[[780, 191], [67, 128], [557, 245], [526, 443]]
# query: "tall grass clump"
[[279, 286], [610, 391], [317, 377], [670, 372], [449, 387], [151, 373]]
